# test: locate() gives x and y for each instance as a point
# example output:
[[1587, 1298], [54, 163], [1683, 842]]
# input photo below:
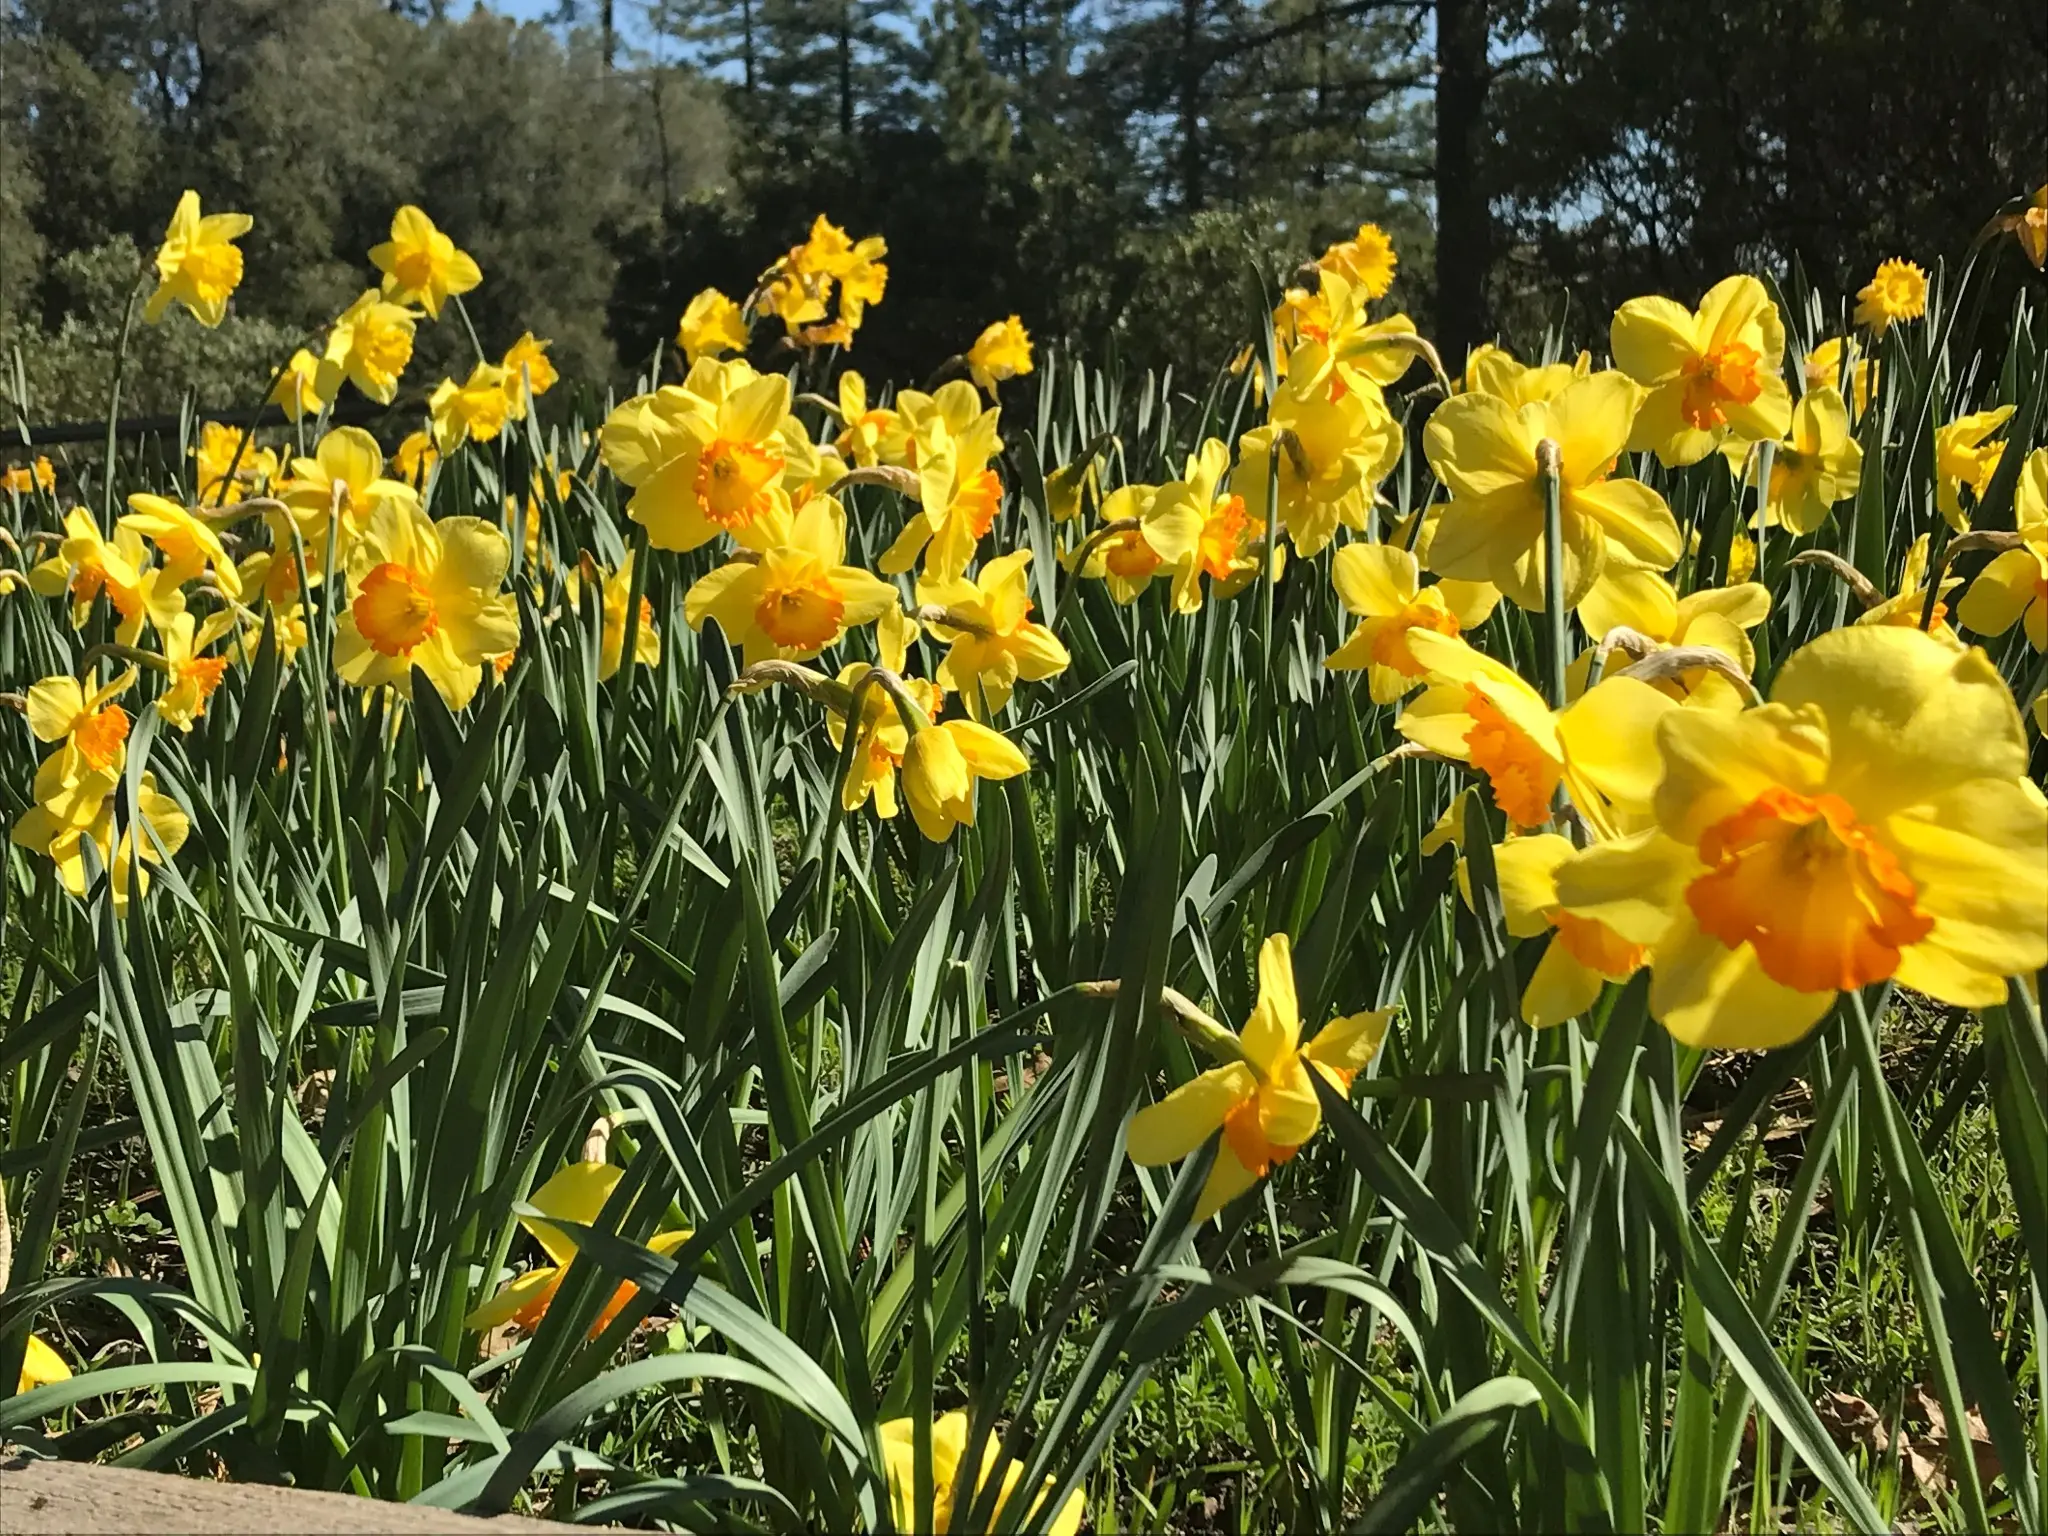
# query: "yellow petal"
[[1635, 885], [1562, 987], [1711, 996], [1273, 1032], [1169, 1130], [1525, 870], [577, 1192]]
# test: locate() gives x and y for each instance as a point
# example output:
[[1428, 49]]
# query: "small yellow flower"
[[1382, 585], [1816, 467], [1264, 1103], [91, 726], [941, 764], [949, 1452], [703, 459], [993, 639], [188, 544], [415, 458], [1711, 374], [1897, 292], [1963, 457], [797, 595], [370, 344], [198, 265], [1824, 366], [87, 565], [343, 480], [220, 446], [1169, 529], [193, 674], [1872, 822], [712, 325], [298, 387], [41, 1366], [425, 595], [1001, 351], [472, 411], [1366, 259], [2014, 586], [528, 372], [1583, 955], [576, 1192], [69, 813], [1336, 441], [421, 265], [1905, 607], [869, 436], [1718, 618], [959, 492], [616, 588]]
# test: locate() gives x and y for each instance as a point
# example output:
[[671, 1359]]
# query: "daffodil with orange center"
[[1126, 560], [1711, 373], [797, 595], [187, 542], [950, 1501], [193, 675], [1335, 441], [1583, 954], [198, 265], [1001, 351], [1382, 585], [2013, 588], [427, 595], [1964, 457], [616, 591], [869, 435], [959, 493], [72, 811], [883, 740], [1228, 546], [1476, 710], [1872, 822], [87, 566], [1898, 292], [993, 642], [705, 458], [1492, 530], [577, 1193], [342, 483], [91, 726], [421, 265], [1264, 1101]]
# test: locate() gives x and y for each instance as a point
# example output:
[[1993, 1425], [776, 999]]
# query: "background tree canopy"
[[1124, 168]]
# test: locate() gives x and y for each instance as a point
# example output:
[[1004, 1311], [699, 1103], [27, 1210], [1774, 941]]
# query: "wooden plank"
[[44, 1498]]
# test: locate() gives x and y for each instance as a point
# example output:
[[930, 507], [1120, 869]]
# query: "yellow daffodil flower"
[[425, 595], [369, 344], [712, 325], [472, 411], [41, 1366], [959, 493], [1367, 260], [949, 1453], [1264, 1103], [703, 459], [575, 1193], [1001, 351], [69, 814], [297, 389], [415, 458], [797, 595], [1491, 370], [193, 674], [941, 763], [1477, 711], [1168, 532], [343, 480], [86, 565], [1905, 608], [93, 728], [529, 371], [1898, 292], [1817, 466], [1963, 457], [1719, 618], [188, 544], [275, 580], [221, 446], [993, 641], [1492, 528], [1711, 374], [1872, 822], [1336, 442], [1824, 365], [869, 436], [1229, 546], [617, 590], [198, 265], [1583, 955], [883, 740], [1382, 585], [2014, 586], [421, 265]]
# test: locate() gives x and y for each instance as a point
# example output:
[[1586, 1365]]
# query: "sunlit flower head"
[[1898, 292], [421, 265], [198, 265], [1001, 351]]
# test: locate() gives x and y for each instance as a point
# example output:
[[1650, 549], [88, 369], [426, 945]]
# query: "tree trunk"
[[611, 36], [1191, 71], [846, 69], [1464, 224]]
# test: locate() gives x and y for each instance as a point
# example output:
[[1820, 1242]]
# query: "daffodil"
[[1335, 440], [297, 390], [949, 1453], [198, 265], [869, 435], [1817, 466], [1906, 607], [1001, 351], [274, 579], [703, 459], [69, 814], [993, 642], [1711, 373], [342, 482], [1824, 370], [712, 325], [369, 344], [1963, 457], [1264, 1103], [415, 458], [959, 493], [193, 675], [1367, 259], [883, 740], [1898, 292], [1492, 530], [1583, 954], [223, 461], [187, 542], [577, 1193], [2014, 586], [1169, 526], [421, 265], [41, 1366], [87, 566], [1492, 370], [1718, 618], [941, 764], [472, 411], [91, 726], [1382, 585], [529, 373], [797, 595], [426, 595], [1872, 822], [616, 588], [1478, 711]]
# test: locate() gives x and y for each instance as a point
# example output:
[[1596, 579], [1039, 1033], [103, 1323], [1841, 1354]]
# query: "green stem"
[[1548, 465], [114, 400]]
